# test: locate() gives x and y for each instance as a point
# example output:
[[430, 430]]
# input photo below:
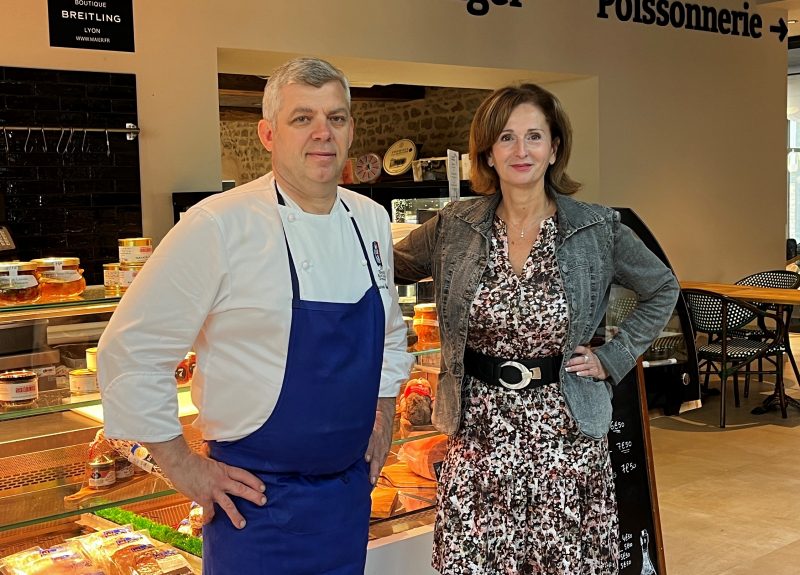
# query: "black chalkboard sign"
[[641, 545]]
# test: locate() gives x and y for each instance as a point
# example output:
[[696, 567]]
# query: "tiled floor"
[[730, 498]]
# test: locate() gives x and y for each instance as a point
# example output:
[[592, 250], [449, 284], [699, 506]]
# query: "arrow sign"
[[781, 29]]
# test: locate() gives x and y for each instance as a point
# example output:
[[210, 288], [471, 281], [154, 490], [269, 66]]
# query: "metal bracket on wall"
[[131, 130]]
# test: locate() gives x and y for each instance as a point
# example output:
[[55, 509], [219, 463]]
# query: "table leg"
[[773, 401]]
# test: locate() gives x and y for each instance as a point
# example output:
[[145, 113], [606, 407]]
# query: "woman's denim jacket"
[[593, 251]]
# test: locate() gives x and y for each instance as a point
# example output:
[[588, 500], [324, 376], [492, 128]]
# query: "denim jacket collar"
[[572, 215]]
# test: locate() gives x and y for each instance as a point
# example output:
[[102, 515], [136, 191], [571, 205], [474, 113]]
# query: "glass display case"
[[44, 441]]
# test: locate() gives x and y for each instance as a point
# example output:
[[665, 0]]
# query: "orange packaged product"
[[426, 325], [59, 278], [424, 456]]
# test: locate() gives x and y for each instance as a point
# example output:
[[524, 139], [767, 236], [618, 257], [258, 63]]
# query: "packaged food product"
[[127, 273], [424, 456], [426, 324], [18, 388], [101, 472], [82, 381], [60, 277], [66, 559], [93, 542], [18, 283], [111, 278], [123, 469], [135, 250], [91, 358], [185, 370]]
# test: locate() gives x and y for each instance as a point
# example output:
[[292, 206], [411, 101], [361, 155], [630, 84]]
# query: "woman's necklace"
[[521, 228]]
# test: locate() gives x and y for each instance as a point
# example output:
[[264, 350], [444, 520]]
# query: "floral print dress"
[[521, 490]]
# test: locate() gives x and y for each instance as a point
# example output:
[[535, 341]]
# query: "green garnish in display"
[[188, 543]]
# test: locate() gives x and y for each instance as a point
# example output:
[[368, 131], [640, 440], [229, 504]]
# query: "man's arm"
[[207, 481], [381, 438]]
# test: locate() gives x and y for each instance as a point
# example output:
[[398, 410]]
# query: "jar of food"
[[60, 277], [135, 250], [426, 324], [123, 469], [185, 370], [111, 278], [127, 273], [18, 283], [82, 381], [101, 472], [91, 358], [18, 388]]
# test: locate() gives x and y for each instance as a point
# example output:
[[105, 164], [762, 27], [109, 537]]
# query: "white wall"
[[686, 127]]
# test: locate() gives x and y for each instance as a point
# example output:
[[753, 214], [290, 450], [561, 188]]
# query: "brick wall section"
[[436, 123], [80, 202]]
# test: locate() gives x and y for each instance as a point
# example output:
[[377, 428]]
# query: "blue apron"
[[310, 451]]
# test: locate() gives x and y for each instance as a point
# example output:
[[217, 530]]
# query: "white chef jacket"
[[219, 282]]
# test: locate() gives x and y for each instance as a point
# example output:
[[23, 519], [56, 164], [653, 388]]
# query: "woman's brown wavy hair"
[[489, 121]]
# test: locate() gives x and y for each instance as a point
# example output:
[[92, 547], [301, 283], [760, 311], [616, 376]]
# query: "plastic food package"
[[423, 456], [66, 559]]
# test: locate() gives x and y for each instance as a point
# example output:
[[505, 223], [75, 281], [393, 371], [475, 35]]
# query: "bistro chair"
[[781, 279], [718, 316]]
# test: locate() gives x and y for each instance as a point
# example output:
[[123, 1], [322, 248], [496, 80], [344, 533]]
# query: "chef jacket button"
[[291, 217], [306, 265], [363, 262]]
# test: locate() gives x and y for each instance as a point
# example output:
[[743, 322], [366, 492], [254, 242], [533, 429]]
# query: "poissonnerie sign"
[[690, 16]]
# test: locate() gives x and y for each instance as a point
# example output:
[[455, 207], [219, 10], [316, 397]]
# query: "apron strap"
[[361, 241], [293, 270]]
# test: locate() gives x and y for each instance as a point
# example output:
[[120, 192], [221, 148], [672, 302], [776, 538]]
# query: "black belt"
[[512, 374]]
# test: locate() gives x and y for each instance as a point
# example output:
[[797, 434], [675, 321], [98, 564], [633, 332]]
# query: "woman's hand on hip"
[[206, 481], [586, 364]]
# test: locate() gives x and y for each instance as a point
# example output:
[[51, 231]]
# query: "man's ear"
[[266, 134]]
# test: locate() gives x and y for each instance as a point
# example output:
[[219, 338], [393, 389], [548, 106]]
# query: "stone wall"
[[439, 121]]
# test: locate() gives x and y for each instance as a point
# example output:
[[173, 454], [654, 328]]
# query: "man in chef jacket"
[[284, 289]]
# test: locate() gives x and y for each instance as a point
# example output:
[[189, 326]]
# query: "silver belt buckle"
[[526, 374]]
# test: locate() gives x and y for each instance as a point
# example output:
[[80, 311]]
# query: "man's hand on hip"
[[381, 438], [206, 481]]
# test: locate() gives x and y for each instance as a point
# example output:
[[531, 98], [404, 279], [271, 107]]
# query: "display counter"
[[44, 447]]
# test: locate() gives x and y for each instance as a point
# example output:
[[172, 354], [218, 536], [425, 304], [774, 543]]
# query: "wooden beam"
[[236, 89]]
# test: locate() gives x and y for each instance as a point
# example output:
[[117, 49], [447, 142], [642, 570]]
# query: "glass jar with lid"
[[60, 277], [135, 250], [18, 388], [18, 283]]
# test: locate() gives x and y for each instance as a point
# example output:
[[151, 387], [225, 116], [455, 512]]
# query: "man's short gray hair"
[[311, 71]]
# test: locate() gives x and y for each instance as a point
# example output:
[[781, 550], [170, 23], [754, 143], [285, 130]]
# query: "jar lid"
[[82, 372], [111, 266], [425, 307], [130, 242], [101, 461], [65, 261], [20, 266], [130, 266], [17, 375]]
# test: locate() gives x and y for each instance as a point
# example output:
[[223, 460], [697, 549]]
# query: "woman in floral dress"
[[522, 278]]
